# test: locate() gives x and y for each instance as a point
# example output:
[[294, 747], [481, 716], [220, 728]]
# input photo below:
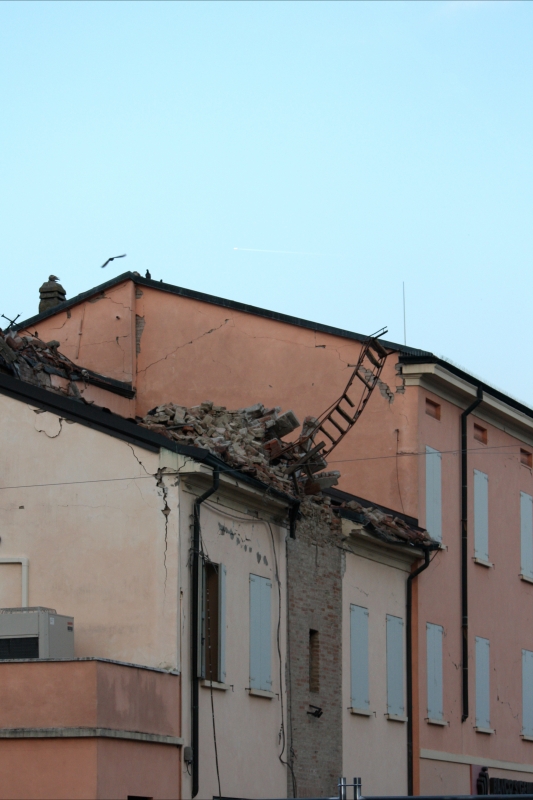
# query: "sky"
[[308, 157]]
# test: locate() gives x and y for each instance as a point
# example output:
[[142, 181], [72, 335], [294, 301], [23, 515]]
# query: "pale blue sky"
[[378, 142]]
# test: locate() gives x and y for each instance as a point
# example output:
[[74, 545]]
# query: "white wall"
[[86, 510], [247, 727], [374, 747]]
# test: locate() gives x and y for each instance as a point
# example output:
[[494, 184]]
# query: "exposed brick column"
[[315, 603]]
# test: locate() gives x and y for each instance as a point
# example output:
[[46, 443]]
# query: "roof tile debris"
[[248, 439], [39, 363], [386, 527]]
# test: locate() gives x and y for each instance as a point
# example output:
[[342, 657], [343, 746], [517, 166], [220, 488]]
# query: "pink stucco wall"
[[88, 694], [191, 351]]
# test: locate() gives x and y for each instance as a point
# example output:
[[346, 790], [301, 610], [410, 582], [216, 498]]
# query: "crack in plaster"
[[186, 344], [158, 476]]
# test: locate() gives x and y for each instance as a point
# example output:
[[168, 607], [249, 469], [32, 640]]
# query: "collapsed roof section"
[[41, 364], [244, 440]]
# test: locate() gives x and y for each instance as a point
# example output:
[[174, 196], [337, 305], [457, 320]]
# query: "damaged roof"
[[388, 526], [41, 364], [214, 300], [406, 354]]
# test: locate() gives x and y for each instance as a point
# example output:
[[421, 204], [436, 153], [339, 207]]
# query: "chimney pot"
[[51, 294]]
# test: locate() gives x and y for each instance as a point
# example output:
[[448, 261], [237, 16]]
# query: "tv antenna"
[[11, 321]]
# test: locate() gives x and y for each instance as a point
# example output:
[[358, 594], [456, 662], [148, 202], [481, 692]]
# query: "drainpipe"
[[409, 659], [195, 622], [464, 549]]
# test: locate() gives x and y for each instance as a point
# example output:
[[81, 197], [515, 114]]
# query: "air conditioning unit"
[[35, 633]]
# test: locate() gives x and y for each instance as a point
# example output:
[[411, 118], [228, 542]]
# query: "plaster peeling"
[[186, 344], [383, 388], [49, 424]]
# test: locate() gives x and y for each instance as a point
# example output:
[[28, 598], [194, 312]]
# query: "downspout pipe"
[[409, 659], [464, 552], [195, 624]]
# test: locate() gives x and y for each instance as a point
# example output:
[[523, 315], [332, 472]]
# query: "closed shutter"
[[260, 633], [222, 623], [527, 693], [526, 534], [481, 515], [395, 703], [434, 634], [359, 657], [482, 683], [434, 493]]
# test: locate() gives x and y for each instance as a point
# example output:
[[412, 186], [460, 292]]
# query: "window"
[[526, 458], [434, 636], [359, 658], [432, 409], [481, 515], [433, 493], [526, 535], [260, 633], [527, 693], [482, 684], [395, 702], [480, 433], [213, 651]]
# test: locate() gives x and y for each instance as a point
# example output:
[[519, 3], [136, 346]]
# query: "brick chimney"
[[51, 294]]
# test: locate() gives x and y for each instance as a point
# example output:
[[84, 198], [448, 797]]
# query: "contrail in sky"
[[279, 252]]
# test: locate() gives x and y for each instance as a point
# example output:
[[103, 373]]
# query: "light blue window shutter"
[[434, 634], [526, 534], [395, 703], [260, 633], [481, 515], [527, 692], [482, 683], [222, 623], [434, 493], [359, 657], [266, 630]]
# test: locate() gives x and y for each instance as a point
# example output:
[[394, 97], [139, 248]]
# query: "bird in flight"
[[112, 259]]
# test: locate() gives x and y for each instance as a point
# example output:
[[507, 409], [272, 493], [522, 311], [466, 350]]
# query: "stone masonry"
[[315, 604]]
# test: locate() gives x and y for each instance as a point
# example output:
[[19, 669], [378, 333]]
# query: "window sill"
[[483, 563], [526, 737], [488, 731], [223, 687], [261, 693], [396, 718], [362, 712], [441, 722], [525, 578]]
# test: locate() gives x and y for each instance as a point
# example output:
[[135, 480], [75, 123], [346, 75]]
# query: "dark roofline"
[[207, 298], [127, 430], [408, 355], [338, 496], [432, 359]]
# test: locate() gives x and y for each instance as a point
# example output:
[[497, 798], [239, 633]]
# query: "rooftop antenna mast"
[[11, 321], [404, 325]]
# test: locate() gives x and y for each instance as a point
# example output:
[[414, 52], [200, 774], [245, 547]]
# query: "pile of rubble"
[[387, 527], [39, 363], [250, 439]]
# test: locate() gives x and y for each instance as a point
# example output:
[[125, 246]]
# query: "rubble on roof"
[[39, 363], [248, 439], [386, 527]]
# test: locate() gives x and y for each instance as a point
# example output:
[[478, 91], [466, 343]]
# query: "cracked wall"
[[98, 334], [99, 525]]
